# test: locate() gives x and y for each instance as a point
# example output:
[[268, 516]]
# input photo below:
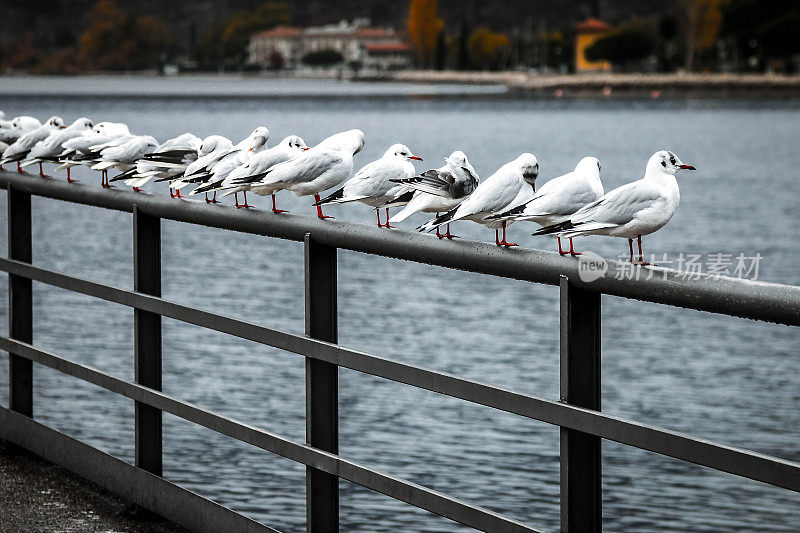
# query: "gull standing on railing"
[[438, 190], [167, 161], [638, 208], [372, 184], [20, 148], [84, 150], [324, 166], [123, 156], [512, 185], [216, 171], [247, 177], [49, 149], [560, 197], [11, 130], [212, 149]]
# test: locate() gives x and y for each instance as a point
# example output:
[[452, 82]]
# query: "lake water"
[[722, 378]]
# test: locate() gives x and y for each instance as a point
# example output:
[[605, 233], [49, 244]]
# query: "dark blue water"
[[721, 378]]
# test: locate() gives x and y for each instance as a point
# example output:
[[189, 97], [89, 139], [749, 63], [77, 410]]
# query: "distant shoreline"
[[407, 82]]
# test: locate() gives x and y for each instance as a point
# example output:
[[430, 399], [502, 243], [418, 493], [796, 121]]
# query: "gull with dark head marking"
[[633, 210], [437, 190], [15, 128], [510, 186], [560, 197], [376, 183]]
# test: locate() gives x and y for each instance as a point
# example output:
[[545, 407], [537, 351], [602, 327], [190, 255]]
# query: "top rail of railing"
[[756, 300]]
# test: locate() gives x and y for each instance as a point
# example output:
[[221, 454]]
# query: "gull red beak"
[[416, 158], [687, 167], [249, 149], [306, 148]]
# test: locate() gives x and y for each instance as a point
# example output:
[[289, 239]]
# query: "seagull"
[[212, 149], [11, 130], [510, 186], [123, 155], [560, 197], [168, 161], [79, 150], [322, 167], [50, 148], [20, 148], [635, 209], [227, 163], [373, 185], [438, 190], [247, 177]]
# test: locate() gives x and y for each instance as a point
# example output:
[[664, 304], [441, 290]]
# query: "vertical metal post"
[[20, 301], [147, 337], [322, 383], [581, 483]]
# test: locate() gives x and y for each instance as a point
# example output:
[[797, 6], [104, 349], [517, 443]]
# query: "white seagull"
[[167, 161], [11, 130], [560, 197], [217, 171], [247, 177], [438, 190], [373, 184], [20, 148], [212, 149], [510, 186], [49, 149], [123, 155], [324, 166], [635, 209], [81, 150]]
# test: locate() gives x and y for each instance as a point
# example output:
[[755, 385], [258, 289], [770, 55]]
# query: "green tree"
[[488, 49]]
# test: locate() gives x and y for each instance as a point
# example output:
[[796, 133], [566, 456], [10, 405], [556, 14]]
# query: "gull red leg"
[[641, 260], [69, 179], [41, 172], [178, 193], [274, 207], [319, 209], [378, 213], [504, 242], [630, 245], [438, 233], [572, 251], [246, 205], [387, 220], [497, 237], [19, 169], [560, 251], [450, 235], [137, 189], [236, 200]]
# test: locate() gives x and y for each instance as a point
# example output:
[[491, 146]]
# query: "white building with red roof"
[[359, 44]]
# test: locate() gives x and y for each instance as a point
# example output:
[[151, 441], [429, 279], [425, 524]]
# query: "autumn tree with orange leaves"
[[424, 28]]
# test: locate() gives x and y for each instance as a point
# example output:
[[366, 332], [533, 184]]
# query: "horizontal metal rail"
[[745, 463], [148, 490], [412, 493], [736, 297]]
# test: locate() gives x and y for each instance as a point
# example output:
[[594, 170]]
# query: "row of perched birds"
[[568, 206]]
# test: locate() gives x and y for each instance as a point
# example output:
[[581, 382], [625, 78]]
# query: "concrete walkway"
[[38, 496]]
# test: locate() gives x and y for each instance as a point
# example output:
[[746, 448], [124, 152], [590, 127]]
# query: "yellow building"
[[586, 33]]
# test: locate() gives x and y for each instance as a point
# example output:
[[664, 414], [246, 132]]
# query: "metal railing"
[[577, 412]]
